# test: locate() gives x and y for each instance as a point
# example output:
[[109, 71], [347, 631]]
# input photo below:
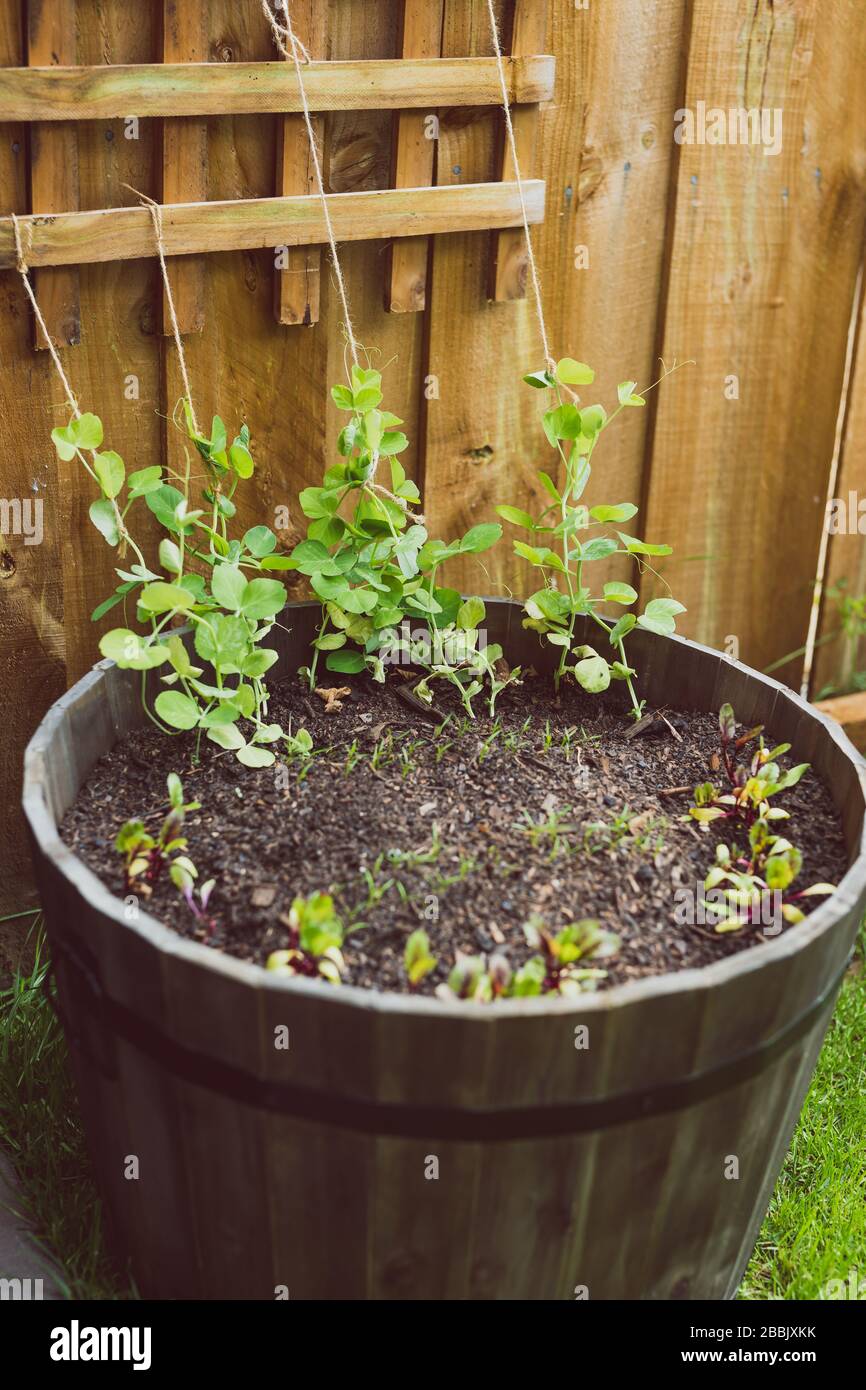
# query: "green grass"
[[40, 1132], [815, 1229]]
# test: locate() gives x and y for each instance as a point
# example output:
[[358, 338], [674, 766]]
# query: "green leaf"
[[572, 373], [107, 604], [317, 502], [163, 502], [540, 380], [342, 397], [258, 662], [130, 651], [330, 642], [177, 710], [278, 562], [347, 661], [616, 592], [639, 547], [110, 470], [359, 600], [470, 614], [516, 517], [165, 598], [263, 598], [104, 517], [622, 628], [539, 555], [393, 442], [169, 556], [225, 735], [619, 511], [251, 756], [228, 585], [598, 549], [328, 587], [549, 605], [549, 485], [660, 614], [563, 422], [593, 419], [260, 541], [480, 538], [144, 480], [626, 396], [224, 640], [593, 674], [87, 431], [311, 557], [241, 459]]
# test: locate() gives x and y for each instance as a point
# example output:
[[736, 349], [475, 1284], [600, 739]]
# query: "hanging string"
[[291, 48], [156, 217], [509, 126], [21, 266]]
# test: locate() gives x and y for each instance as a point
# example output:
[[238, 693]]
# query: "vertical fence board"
[[51, 41], [605, 151], [114, 372], [297, 285], [359, 158], [414, 160], [836, 658], [509, 259], [32, 647], [762, 277], [184, 158]]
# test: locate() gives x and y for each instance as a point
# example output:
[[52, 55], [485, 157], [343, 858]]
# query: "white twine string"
[[291, 48], [156, 217], [509, 126], [21, 266]]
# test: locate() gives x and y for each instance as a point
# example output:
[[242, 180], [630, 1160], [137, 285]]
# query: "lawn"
[[815, 1230]]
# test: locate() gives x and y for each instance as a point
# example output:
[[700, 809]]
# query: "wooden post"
[[413, 160], [184, 159], [297, 284], [54, 167], [509, 259]]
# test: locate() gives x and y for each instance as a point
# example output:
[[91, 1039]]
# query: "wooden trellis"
[[53, 93]]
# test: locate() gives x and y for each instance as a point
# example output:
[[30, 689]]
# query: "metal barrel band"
[[457, 1124]]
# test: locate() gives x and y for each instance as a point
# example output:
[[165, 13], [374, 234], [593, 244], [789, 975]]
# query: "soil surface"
[[464, 831]]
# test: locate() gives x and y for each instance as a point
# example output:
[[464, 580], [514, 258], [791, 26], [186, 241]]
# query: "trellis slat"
[[112, 234], [218, 89]]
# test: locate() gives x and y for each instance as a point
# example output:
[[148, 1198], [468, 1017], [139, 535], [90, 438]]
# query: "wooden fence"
[[741, 257]]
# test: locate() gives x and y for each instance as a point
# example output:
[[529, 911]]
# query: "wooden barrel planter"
[[400, 1147]]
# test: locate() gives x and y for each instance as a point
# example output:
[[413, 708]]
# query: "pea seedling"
[[562, 556], [230, 613], [375, 565]]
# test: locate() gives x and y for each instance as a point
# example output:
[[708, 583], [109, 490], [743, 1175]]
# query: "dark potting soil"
[[465, 832]]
